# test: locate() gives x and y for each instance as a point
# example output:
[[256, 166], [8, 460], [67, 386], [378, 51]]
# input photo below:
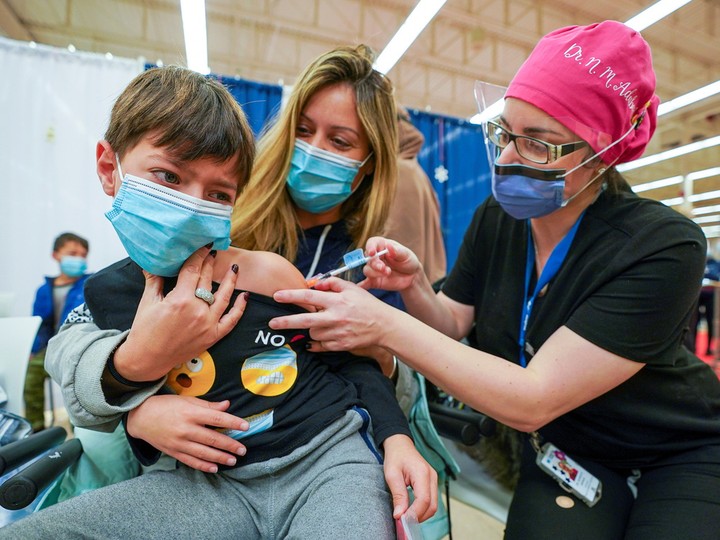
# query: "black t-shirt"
[[628, 284], [287, 393]]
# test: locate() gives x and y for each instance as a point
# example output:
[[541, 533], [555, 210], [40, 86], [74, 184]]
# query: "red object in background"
[[700, 348]]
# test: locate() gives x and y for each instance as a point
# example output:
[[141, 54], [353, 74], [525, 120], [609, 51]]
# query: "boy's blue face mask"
[[73, 266], [161, 227], [320, 180]]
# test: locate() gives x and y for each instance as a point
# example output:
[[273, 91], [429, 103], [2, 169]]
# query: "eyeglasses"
[[530, 148]]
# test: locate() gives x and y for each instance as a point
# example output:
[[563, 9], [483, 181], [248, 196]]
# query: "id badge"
[[571, 476]]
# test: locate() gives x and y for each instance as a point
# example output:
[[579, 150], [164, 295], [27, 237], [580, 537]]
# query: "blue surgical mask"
[[73, 266], [528, 192], [320, 180], [161, 227]]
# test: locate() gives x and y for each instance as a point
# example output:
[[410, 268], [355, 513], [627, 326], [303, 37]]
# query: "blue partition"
[[454, 158]]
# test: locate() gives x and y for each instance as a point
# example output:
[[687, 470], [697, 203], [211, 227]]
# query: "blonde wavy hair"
[[264, 216]]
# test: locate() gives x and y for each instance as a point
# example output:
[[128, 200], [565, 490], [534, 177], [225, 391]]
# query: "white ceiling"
[[272, 40]]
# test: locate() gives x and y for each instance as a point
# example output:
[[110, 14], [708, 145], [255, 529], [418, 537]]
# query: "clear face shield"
[[533, 186]]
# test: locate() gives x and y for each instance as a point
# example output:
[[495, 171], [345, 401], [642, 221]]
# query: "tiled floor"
[[469, 523]]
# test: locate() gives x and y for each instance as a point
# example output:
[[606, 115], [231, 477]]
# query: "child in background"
[[53, 301]]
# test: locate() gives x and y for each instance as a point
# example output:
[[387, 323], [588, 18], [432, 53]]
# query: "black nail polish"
[[246, 295], [209, 245], [234, 268], [213, 252]]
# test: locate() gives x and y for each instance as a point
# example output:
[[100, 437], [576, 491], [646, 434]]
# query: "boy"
[[53, 302], [177, 151]]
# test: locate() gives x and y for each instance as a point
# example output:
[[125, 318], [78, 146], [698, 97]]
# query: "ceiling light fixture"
[[418, 19], [654, 13], [669, 154], [657, 184], [689, 98], [665, 182], [195, 30], [706, 209]]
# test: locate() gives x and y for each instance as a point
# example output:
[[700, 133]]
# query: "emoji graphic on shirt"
[[270, 373], [194, 377]]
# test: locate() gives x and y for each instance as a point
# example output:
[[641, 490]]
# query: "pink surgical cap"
[[597, 81]]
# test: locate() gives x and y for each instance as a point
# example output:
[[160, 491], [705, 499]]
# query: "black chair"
[[31, 464]]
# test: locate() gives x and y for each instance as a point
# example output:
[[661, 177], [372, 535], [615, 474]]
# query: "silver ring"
[[205, 295]]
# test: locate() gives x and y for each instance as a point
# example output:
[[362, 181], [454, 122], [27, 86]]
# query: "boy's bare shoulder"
[[261, 271]]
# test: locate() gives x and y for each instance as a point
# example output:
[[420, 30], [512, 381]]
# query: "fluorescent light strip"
[[693, 198], [689, 98], [673, 202], [656, 184], [669, 154], [671, 181], [416, 22], [707, 219], [706, 209], [195, 30], [654, 13], [711, 232], [705, 173]]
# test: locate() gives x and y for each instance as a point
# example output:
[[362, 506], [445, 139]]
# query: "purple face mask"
[[528, 192]]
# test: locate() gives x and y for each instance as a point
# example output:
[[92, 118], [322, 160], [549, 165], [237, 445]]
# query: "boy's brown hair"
[[66, 237], [190, 115]]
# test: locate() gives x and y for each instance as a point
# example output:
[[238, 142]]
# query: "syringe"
[[352, 260]]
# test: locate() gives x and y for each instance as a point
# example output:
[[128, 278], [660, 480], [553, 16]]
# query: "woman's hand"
[[395, 271], [178, 427], [404, 466], [172, 329], [348, 317]]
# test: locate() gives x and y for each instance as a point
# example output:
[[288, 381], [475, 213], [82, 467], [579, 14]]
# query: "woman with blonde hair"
[[326, 168]]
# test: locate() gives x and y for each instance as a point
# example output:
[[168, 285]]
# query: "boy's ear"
[[106, 168]]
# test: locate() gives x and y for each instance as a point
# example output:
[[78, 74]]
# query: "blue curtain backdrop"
[[453, 156], [455, 159], [259, 101]]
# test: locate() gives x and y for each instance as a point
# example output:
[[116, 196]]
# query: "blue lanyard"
[[551, 268]]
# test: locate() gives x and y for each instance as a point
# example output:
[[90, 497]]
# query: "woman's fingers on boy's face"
[[195, 271]]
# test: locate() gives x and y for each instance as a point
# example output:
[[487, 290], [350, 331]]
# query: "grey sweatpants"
[[332, 487]]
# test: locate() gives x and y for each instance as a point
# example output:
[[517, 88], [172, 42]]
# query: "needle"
[[354, 263]]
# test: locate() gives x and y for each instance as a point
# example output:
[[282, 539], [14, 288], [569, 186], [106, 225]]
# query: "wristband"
[[119, 378]]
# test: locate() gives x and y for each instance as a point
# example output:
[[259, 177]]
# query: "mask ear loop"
[[117, 160], [635, 121]]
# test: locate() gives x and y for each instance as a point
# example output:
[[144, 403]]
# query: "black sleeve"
[[375, 391]]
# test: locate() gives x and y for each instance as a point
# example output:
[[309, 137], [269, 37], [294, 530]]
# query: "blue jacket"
[[43, 307]]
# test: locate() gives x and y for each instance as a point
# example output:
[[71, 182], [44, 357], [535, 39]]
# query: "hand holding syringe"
[[352, 260]]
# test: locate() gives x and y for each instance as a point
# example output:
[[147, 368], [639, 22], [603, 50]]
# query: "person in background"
[[414, 219], [53, 302], [580, 292], [326, 171]]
